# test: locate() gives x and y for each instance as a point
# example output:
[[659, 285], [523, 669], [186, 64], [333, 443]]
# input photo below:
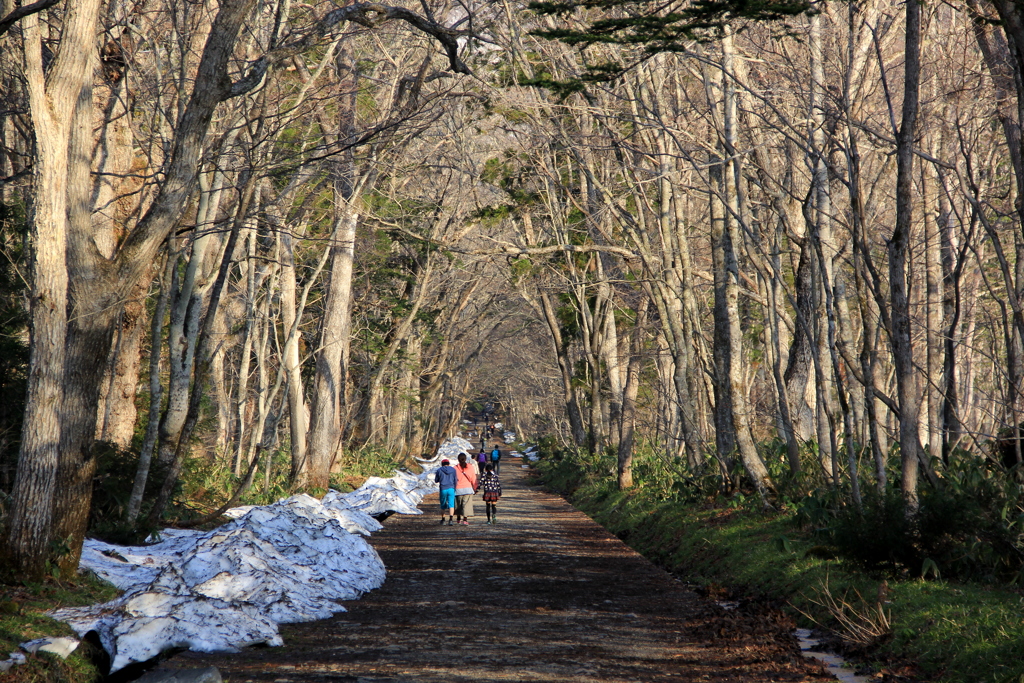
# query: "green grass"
[[23, 618], [960, 632], [955, 633]]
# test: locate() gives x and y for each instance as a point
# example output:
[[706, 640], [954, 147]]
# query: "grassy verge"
[[953, 632], [23, 618]]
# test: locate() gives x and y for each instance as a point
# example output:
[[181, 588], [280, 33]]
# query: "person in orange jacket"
[[465, 487]]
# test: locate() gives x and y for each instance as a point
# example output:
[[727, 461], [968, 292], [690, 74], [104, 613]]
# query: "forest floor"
[[545, 595]]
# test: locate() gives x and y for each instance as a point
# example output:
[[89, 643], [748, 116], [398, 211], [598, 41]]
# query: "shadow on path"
[[546, 595]]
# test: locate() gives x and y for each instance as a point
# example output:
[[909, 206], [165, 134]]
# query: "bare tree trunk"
[[52, 101], [203, 353], [609, 352], [117, 405], [328, 390], [415, 429], [775, 297], [407, 398], [862, 266], [822, 240], [933, 316], [899, 276], [572, 406], [220, 384], [375, 385], [245, 359], [113, 202], [728, 290], [183, 331], [725, 434], [155, 396], [952, 305], [290, 317], [632, 387]]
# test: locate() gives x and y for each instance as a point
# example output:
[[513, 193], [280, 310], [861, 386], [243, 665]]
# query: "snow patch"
[[221, 590]]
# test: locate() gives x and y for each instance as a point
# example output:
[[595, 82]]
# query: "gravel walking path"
[[545, 595]]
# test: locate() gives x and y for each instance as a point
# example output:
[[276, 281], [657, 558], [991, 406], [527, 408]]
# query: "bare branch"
[[520, 251], [368, 14], [19, 13]]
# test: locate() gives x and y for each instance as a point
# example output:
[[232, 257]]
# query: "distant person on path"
[[492, 492], [446, 480], [481, 459], [465, 487], [496, 460]]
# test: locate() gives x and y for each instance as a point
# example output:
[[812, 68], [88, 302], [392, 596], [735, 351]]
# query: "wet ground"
[[545, 595]]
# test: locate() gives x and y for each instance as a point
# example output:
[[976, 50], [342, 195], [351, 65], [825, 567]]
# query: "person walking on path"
[[446, 479], [478, 470], [481, 459], [496, 459], [492, 492], [465, 487]]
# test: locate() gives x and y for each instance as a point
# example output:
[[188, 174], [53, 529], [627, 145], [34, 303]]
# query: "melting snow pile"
[[449, 449], [509, 437], [228, 588]]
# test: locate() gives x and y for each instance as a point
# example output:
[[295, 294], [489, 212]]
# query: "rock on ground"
[[207, 675]]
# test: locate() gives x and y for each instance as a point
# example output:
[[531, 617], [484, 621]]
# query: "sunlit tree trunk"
[[632, 387], [328, 391], [58, 101], [114, 204], [823, 242], [609, 352], [290, 318]]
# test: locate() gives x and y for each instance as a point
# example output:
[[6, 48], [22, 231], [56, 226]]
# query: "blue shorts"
[[447, 499]]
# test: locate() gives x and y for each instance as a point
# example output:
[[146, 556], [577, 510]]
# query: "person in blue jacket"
[[445, 478]]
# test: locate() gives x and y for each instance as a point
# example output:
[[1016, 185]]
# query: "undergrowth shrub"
[[970, 528], [368, 461], [112, 487], [205, 483], [566, 469]]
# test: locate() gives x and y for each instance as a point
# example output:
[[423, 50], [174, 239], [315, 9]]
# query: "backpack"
[[495, 455], [481, 457]]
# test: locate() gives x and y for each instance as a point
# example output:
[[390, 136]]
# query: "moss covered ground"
[[23, 608]]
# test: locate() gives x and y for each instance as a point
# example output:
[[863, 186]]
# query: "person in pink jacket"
[[465, 487]]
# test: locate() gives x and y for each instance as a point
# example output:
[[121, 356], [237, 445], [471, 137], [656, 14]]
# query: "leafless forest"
[[242, 228]]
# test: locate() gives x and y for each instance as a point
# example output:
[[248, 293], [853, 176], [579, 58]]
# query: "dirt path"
[[546, 595]]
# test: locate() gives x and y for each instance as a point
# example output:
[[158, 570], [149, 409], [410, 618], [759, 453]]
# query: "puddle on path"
[[836, 665]]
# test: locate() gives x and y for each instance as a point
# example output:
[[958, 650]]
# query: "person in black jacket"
[[492, 492]]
